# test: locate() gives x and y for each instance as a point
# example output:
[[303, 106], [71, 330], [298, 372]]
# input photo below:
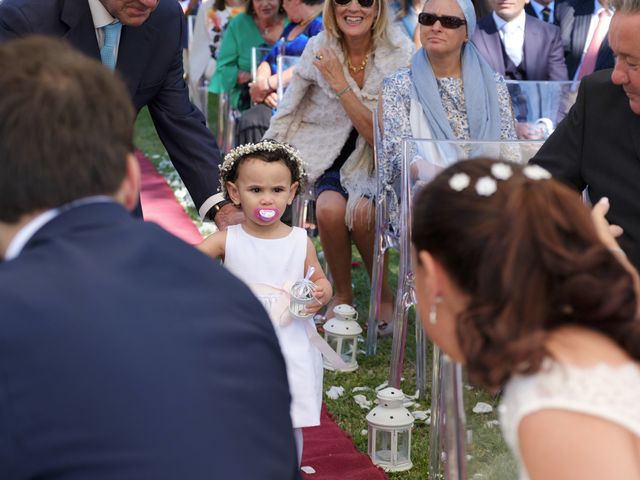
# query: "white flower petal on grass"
[[414, 396], [486, 186], [308, 470], [335, 392], [501, 171], [536, 172], [364, 432], [360, 389], [492, 423], [459, 181], [362, 401], [421, 414], [482, 407], [408, 403]]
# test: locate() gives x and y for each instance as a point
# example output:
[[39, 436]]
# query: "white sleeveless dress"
[[608, 392], [277, 262]]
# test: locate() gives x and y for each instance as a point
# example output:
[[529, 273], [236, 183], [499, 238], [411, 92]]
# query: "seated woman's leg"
[[331, 208], [363, 234]]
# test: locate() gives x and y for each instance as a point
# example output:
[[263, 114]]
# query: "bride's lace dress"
[[609, 392]]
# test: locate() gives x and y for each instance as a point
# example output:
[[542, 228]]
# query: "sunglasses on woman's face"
[[363, 3], [446, 21]]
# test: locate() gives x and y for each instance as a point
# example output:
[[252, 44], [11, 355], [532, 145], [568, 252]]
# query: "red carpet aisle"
[[160, 205], [326, 448], [334, 456]]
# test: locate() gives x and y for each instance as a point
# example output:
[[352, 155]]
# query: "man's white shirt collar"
[[517, 22], [101, 17]]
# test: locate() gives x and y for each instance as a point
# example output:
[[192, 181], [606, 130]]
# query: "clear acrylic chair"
[[459, 437], [385, 237], [539, 106]]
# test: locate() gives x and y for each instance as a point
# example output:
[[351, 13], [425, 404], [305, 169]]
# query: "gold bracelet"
[[343, 91]]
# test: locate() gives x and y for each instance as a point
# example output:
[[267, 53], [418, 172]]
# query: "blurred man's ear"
[[129, 191]]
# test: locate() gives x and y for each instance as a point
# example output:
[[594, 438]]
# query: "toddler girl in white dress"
[[269, 256]]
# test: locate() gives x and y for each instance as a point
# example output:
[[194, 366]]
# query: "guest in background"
[[211, 22], [583, 26], [121, 346], [306, 21], [145, 46], [405, 17], [535, 297], [260, 26], [326, 114], [596, 146], [519, 46], [457, 95]]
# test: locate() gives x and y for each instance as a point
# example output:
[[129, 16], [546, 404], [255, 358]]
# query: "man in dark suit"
[[148, 50], [125, 353], [578, 20], [519, 46], [597, 146]]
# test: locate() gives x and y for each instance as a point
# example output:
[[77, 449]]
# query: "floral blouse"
[[396, 105]]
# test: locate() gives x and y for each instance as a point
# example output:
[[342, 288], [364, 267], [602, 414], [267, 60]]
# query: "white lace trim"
[[609, 392]]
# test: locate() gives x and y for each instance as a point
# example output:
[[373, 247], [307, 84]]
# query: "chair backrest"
[[464, 444], [257, 54], [540, 105], [284, 62]]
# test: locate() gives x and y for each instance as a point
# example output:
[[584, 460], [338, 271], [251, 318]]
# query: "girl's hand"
[[330, 68], [319, 294]]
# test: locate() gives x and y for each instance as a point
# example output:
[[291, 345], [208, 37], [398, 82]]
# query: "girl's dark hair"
[[252, 11], [530, 260]]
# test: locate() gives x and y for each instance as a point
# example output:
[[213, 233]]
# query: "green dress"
[[240, 37]]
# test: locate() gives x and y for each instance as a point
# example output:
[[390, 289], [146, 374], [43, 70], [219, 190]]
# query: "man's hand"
[[229, 214]]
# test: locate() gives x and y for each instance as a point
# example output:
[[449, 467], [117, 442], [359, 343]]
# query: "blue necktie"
[[108, 50]]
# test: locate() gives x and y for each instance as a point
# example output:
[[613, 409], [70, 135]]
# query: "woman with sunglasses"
[[448, 92], [326, 114]]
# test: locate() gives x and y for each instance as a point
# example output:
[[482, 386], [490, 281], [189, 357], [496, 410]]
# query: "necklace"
[[360, 67]]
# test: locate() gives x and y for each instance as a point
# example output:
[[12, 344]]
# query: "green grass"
[[488, 456]]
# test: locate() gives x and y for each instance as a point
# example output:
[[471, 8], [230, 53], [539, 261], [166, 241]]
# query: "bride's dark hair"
[[530, 260]]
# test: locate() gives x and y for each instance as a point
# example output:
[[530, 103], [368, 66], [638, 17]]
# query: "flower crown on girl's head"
[[286, 152]]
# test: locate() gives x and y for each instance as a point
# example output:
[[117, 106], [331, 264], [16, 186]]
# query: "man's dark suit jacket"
[[598, 146], [574, 18], [127, 354], [543, 54], [150, 61]]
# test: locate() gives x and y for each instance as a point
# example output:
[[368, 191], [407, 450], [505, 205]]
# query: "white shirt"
[[537, 7], [25, 234], [101, 18], [512, 35], [597, 8]]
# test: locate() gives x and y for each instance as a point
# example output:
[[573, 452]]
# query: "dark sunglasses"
[[446, 21], [363, 3]]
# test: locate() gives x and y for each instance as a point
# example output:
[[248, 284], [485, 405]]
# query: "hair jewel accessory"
[[536, 172], [486, 186], [266, 214], [459, 181], [501, 171], [266, 145]]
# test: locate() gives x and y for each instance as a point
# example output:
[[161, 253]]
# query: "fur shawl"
[[311, 118]]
